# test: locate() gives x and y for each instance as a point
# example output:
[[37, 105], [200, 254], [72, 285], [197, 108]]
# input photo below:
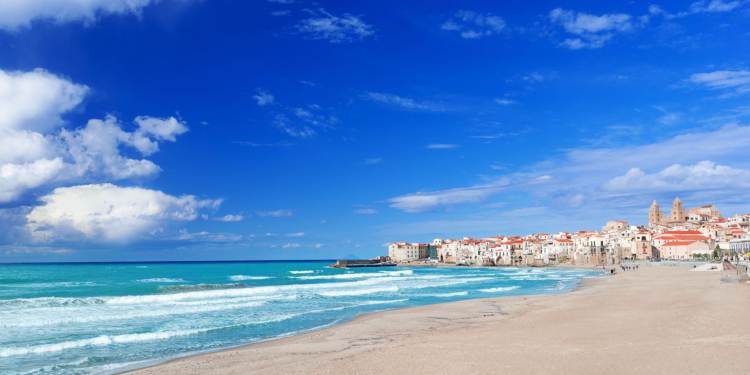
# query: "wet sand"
[[657, 320]]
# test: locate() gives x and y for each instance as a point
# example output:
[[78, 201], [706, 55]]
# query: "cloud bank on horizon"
[[123, 126]]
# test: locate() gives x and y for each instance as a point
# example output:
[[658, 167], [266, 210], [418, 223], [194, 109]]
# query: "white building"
[[404, 251]]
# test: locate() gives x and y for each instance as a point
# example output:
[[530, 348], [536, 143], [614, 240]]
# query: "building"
[[433, 251], [404, 251], [679, 215], [708, 210], [616, 225], [683, 249], [656, 216], [740, 245]]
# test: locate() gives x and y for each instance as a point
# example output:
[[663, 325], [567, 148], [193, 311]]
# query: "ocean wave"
[[57, 367], [99, 316], [358, 292], [444, 294], [296, 272], [243, 277], [403, 273], [162, 280], [193, 287], [102, 340], [65, 284], [359, 275], [89, 369], [495, 290], [45, 302]]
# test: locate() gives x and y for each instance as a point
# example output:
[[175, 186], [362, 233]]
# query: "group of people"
[[624, 268]]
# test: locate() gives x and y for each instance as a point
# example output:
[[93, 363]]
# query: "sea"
[[104, 318]]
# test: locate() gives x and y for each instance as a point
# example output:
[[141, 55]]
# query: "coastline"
[[657, 319]]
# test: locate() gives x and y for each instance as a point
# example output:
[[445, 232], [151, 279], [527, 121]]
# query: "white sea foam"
[[445, 294], [495, 290], [243, 277], [404, 272], [102, 340], [162, 280], [359, 275], [33, 320], [358, 292], [296, 272], [63, 284]]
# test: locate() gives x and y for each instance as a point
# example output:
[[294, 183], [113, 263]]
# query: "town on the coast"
[[700, 232]]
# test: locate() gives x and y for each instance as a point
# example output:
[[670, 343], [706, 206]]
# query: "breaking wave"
[[360, 275], [494, 290], [360, 292], [445, 294], [194, 287], [162, 280], [102, 340], [243, 277]]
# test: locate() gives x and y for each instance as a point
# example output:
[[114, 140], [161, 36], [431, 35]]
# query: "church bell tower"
[[655, 216], [678, 213]]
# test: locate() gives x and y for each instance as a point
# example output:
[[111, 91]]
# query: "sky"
[[143, 130]]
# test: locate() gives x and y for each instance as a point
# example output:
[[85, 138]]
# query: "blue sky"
[[214, 129]]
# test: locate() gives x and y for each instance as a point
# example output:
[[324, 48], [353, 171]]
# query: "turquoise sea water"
[[107, 317]]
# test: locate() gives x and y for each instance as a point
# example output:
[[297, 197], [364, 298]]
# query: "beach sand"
[[657, 320]]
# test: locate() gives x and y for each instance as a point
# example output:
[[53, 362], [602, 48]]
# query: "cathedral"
[[656, 216]]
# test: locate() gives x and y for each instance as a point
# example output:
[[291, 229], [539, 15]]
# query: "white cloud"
[[401, 102], [283, 123], [591, 42], [372, 161], [109, 213], [318, 245], [723, 79], [280, 13], [583, 23], [277, 213], [430, 201], [35, 100], [29, 160], [697, 7], [301, 113], [207, 237], [34, 154], [670, 118], [20, 13], [505, 101], [593, 31], [533, 77], [592, 173], [366, 211], [291, 245], [440, 146], [299, 234], [324, 25], [713, 6], [473, 25], [263, 98], [230, 218], [704, 175]]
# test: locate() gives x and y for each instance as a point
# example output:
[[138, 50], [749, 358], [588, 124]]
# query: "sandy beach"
[[657, 320]]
